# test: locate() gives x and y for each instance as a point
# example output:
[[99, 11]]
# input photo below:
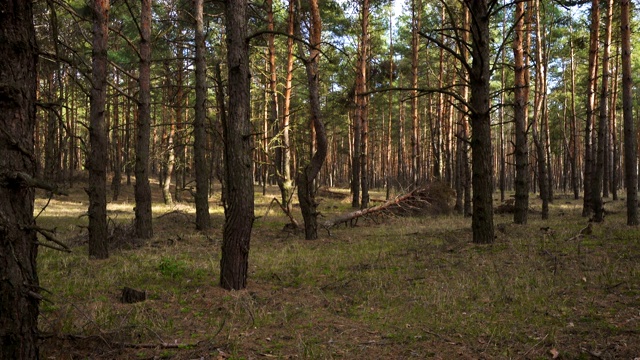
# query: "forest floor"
[[389, 288]]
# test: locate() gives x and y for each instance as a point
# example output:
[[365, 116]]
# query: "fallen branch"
[[284, 210], [435, 197], [398, 201]]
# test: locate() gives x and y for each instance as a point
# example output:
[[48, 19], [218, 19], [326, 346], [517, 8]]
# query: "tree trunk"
[[169, 165], [479, 76], [117, 151], [18, 242], [603, 121], [630, 140], [97, 164], [143, 221], [539, 110], [203, 218], [521, 99], [587, 207], [306, 177], [362, 104], [239, 212], [356, 172], [416, 17], [574, 124], [283, 152]]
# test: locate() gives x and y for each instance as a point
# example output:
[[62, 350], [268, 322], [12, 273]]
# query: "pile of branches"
[[434, 198]]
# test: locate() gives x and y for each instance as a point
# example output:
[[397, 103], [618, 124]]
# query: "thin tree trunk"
[[362, 104], [19, 297], [239, 211], [539, 110], [203, 218], [283, 152], [630, 140], [143, 221], [587, 207], [169, 165], [521, 99], [416, 17], [356, 171], [574, 123], [97, 188], [117, 151], [603, 121]]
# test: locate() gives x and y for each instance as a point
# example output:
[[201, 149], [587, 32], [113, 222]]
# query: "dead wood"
[[435, 197], [326, 193], [286, 211], [130, 296]]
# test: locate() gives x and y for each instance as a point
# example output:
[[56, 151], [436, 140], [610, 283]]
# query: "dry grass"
[[397, 288]]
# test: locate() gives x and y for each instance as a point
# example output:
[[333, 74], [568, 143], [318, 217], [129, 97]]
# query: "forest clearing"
[[389, 288]]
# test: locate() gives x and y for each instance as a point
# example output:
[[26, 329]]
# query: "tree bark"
[[479, 77], [630, 140], [283, 152], [169, 165], [18, 243], [239, 211], [416, 17], [117, 151], [539, 113], [521, 99], [603, 121], [362, 104], [587, 207], [97, 164], [306, 177], [574, 124], [203, 218], [143, 221]]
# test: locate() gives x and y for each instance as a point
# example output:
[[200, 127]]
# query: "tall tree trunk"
[[630, 140], [539, 110], [356, 171], [613, 153], [117, 151], [463, 188], [203, 218], [416, 17], [306, 177], [574, 123], [180, 135], [239, 212], [143, 221], [440, 110], [18, 242], [603, 121], [97, 188], [362, 105], [283, 152], [479, 76], [521, 99], [587, 207], [389, 139]]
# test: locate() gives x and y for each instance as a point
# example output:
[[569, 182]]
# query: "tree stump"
[[130, 296]]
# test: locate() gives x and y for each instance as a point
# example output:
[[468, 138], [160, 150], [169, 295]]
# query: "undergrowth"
[[393, 288]]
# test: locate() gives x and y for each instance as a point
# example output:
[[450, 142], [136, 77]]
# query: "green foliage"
[[172, 268]]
